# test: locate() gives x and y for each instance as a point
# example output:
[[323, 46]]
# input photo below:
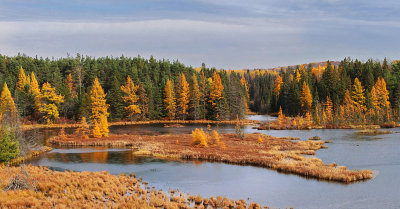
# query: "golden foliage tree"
[[83, 130], [169, 100], [70, 84], [278, 83], [358, 96], [7, 104], [130, 97], [216, 89], [298, 75], [21, 80], [305, 98], [328, 111], [183, 95], [281, 117], [348, 107], [245, 85], [99, 110], [215, 140], [199, 138], [34, 85], [48, 103], [35, 90], [246, 88], [195, 98], [380, 98]]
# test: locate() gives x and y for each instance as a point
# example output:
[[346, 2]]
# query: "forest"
[[350, 91], [58, 90]]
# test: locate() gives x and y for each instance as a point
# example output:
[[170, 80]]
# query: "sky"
[[228, 34]]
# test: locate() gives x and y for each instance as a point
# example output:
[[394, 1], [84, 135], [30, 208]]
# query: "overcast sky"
[[229, 34]]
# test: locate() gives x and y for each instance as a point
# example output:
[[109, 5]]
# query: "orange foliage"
[[278, 83]]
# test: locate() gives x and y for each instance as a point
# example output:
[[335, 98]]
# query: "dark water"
[[379, 153]]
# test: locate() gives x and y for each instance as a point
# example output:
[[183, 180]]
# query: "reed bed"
[[51, 189], [372, 132], [281, 154]]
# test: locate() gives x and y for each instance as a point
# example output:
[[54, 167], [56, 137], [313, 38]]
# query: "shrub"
[[215, 138], [9, 146], [199, 138]]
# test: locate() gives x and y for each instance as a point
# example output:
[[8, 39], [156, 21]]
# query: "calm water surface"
[[379, 153]]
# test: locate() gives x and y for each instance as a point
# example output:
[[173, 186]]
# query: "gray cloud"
[[226, 33]]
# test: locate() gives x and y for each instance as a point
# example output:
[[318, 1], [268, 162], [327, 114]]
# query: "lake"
[[379, 153]]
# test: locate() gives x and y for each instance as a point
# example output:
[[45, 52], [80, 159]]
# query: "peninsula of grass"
[[281, 154]]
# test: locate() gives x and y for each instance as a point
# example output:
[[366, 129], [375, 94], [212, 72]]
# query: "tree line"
[[61, 90], [351, 91]]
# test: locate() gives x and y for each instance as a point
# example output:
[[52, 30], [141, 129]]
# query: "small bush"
[[199, 138], [9, 146], [215, 138]]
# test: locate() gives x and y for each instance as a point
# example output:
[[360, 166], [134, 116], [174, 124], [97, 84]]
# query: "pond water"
[[379, 153]]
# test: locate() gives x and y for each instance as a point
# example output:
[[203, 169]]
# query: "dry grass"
[[92, 190], [281, 154], [372, 132]]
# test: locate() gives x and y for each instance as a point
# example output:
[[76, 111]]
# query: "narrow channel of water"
[[379, 153]]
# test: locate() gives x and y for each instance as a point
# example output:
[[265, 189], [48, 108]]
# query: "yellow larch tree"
[[34, 85], [358, 96], [48, 103], [298, 75], [70, 84], [21, 80], [278, 83], [169, 99], [245, 85], [99, 110], [195, 98], [199, 138], [83, 129], [7, 104], [216, 89], [305, 98], [130, 97], [183, 95], [281, 117], [246, 88], [328, 111], [380, 98], [348, 106]]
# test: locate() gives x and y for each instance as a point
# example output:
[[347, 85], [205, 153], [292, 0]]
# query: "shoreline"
[[122, 123], [278, 153]]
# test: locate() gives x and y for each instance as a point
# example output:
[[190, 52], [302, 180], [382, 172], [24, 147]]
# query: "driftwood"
[[20, 181]]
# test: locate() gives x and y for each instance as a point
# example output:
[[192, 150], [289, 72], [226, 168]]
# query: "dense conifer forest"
[[53, 90]]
